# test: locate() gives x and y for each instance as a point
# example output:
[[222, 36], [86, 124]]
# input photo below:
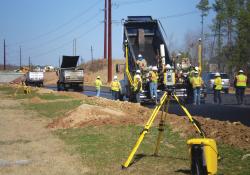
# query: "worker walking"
[[153, 77], [115, 88], [240, 83], [197, 82], [98, 84], [217, 87]]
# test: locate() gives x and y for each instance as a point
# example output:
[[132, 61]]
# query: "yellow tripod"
[[163, 104]]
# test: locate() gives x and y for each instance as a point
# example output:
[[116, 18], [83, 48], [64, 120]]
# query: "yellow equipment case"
[[203, 154]]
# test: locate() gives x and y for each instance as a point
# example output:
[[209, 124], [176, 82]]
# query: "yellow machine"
[[208, 145], [203, 153]]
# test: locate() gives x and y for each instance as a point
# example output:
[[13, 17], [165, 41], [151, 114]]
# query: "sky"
[[45, 29]]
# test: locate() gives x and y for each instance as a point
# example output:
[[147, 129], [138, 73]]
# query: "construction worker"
[[190, 91], [98, 84], [138, 72], [240, 83], [153, 77], [137, 87], [217, 87], [141, 62], [115, 88], [197, 83]]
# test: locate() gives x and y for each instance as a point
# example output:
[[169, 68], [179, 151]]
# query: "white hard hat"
[[137, 76], [115, 77], [217, 74], [139, 55], [150, 67], [138, 71], [241, 71], [168, 66], [154, 68], [98, 77], [196, 68]]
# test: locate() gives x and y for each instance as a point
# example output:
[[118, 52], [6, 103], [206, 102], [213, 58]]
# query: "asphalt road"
[[227, 111]]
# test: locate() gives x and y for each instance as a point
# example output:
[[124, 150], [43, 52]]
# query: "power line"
[[61, 25], [66, 33], [66, 43]]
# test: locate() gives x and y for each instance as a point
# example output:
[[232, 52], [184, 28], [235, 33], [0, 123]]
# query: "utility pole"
[[4, 56], [105, 31], [29, 63], [20, 60], [92, 58], [74, 47], [59, 61], [109, 41]]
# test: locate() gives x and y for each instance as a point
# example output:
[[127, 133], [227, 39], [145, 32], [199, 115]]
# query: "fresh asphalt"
[[227, 111]]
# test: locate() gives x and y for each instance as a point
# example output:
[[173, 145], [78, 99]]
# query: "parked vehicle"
[[208, 78], [69, 76], [34, 79]]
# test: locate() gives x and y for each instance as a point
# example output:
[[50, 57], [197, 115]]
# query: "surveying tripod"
[[163, 104]]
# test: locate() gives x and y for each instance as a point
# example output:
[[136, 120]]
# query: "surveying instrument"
[[202, 150]]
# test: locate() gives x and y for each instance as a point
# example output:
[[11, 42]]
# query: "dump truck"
[[143, 36], [33, 78], [69, 76]]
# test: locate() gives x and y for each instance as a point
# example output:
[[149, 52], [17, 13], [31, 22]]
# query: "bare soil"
[[120, 113], [28, 147]]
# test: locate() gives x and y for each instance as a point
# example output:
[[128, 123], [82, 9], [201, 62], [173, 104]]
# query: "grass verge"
[[105, 148]]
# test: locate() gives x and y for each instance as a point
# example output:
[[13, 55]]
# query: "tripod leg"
[[145, 130], [190, 117], [161, 126]]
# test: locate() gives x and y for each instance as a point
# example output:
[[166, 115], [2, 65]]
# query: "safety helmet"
[[241, 71], [154, 68], [139, 56], [98, 77], [149, 67], [196, 68], [138, 71], [137, 76], [115, 77], [217, 74], [168, 66]]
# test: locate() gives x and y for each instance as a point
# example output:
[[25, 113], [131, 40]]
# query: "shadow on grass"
[[184, 171], [138, 157]]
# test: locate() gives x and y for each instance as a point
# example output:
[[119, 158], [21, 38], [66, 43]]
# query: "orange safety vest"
[[241, 80]]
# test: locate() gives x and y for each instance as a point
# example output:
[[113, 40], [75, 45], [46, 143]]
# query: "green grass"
[[105, 148], [53, 109], [51, 96]]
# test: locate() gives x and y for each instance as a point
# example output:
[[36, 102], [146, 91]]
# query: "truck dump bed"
[[144, 37]]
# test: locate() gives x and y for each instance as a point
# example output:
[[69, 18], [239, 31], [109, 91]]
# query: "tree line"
[[231, 33]]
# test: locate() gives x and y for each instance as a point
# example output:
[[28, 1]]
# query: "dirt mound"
[[104, 111], [50, 78], [234, 134], [86, 114]]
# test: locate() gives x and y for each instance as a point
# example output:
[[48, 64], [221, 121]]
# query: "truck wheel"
[[226, 91]]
